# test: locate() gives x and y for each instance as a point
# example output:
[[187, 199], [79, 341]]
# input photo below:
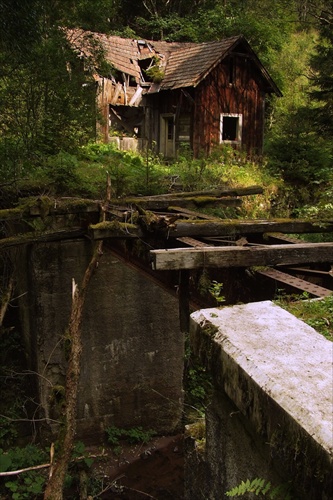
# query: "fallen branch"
[[15, 472]]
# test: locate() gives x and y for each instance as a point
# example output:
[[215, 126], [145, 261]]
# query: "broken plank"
[[216, 257], [234, 227], [282, 238], [192, 242], [299, 284], [192, 213]]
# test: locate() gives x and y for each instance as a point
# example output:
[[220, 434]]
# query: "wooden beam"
[[191, 242], [282, 238], [234, 227], [192, 213], [216, 257], [46, 236], [162, 203]]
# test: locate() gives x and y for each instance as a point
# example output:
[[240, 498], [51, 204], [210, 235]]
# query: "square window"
[[231, 128]]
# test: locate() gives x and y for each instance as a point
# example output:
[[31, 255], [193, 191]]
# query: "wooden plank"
[[282, 238], [192, 213], [164, 203], [233, 227], [299, 284], [192, 242], [216, 257]]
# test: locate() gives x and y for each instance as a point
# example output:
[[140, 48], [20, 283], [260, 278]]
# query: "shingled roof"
[[184, 64], [186, 67]]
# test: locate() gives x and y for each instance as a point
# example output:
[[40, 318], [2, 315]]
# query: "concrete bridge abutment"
[[271, 411], [132, 358]]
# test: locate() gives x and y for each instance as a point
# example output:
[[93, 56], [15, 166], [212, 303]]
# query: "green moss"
[[210, 330], [113, 226]]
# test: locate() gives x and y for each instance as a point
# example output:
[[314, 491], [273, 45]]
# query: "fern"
[[262, 487]]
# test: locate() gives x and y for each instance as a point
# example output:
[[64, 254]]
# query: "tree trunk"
[[56, 480]]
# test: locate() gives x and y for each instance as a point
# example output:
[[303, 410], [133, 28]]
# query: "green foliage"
[[322, 65], [130, 172], [197, 385], [295, 149], [316, 313], [28, 485], [215, 290], [12, 402], [132, 436], [260, 487]]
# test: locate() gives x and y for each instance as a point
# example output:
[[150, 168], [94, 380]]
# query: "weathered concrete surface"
[[132, 361], [271, 414]]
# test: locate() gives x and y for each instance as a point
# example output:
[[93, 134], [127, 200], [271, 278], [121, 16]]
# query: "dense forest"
[[48, 141]]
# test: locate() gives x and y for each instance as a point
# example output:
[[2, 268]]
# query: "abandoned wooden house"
[[168, 96]]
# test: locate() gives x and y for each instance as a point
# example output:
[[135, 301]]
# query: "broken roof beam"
[[233, 227], [218, 257]]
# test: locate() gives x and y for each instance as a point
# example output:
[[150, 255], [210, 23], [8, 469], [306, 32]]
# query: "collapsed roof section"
[[154, 66]]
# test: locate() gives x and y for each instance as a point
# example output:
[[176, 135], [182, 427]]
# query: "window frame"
[[239, 128]]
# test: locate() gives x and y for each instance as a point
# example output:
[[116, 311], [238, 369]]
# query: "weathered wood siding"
[[239, 93], [219, 93]]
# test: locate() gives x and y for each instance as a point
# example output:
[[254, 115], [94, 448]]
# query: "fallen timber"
[[230, 227], [178, 228], [219, 257]]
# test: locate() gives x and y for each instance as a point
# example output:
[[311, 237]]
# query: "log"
[[217, 257], [230, 227], [160, 203]]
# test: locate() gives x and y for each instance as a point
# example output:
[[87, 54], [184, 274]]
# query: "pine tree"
[[322, 65]]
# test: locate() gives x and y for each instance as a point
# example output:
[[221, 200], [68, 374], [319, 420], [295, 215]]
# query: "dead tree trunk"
[[54, 488]]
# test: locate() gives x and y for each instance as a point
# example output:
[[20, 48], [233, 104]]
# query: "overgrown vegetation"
[[261, 488]]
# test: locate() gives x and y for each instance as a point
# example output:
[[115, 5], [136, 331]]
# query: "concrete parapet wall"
[[271, 414]]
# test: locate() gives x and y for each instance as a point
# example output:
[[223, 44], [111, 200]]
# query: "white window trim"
[[239, 128]]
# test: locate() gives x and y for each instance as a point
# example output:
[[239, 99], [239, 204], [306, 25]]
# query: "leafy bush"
[[132, 436], [28, 485], [260, 487]]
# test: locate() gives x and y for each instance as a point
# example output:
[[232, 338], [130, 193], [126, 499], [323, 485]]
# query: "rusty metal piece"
[[305, 286]]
